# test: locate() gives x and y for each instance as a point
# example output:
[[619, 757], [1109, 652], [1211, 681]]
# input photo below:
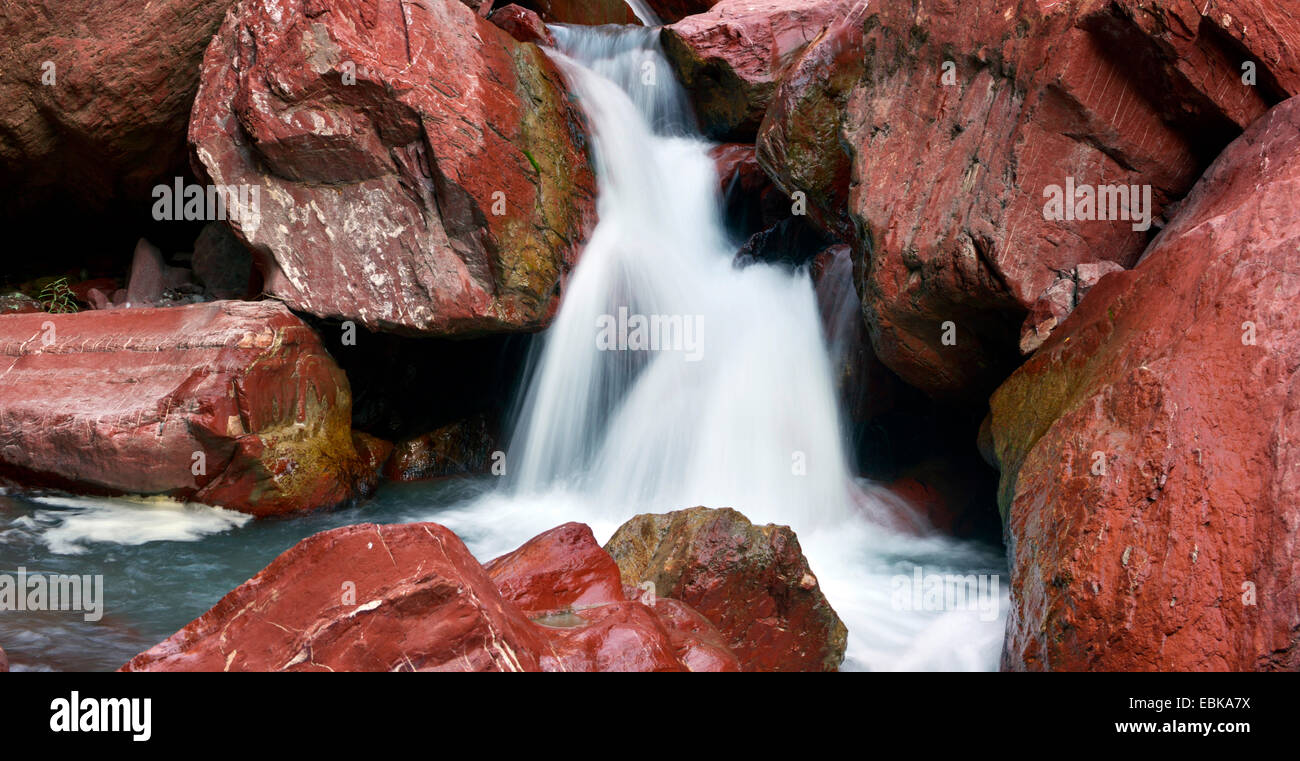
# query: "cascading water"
[[738, 411], [742, 414]]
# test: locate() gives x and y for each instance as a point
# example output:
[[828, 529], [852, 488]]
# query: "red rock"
[[459, 448], [359, 598], [83, 288], [412, 598], [448, 120], [698, 643], [620, 636], [522, 24], [235, 404], [751, 582], [730, 57], [4, 662], [112, 124], [557, 571], [947, 181], [1150, 485], [564, 580]]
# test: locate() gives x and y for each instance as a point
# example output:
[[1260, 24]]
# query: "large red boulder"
[[730, 58], [564, 581], [943, 125], [228, 403], [360, 598], [1150, 478], [752, 582], [96, 95], [415, 169]]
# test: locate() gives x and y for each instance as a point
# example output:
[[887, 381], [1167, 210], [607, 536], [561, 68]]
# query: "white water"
[[753, 424]]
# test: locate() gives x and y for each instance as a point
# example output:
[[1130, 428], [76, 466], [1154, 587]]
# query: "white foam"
[[78, 521]]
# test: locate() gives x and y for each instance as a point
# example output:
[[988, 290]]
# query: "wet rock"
[[412, 598], [730, 57], [415, 169], [752, 582], [235, 404], [1150, 485], [359, 598], [458, 448], [940, 128], [557, 571]]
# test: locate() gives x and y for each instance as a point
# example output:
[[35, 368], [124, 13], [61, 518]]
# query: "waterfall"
[[734, 408]]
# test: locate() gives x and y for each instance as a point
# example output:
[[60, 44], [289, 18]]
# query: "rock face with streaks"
[[1150, 473], [96, 95], [941, 126], [411, 598], [752, 582], [407, 166], [730, 57], [228, 403]]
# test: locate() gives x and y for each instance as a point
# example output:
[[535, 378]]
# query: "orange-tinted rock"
[[4, 662], [416, 169], [730, 57], [752, 582], [562, 569], [956, 118], [235, 404], [359, 598], [1150, 478], [96, 97], [459, 448]]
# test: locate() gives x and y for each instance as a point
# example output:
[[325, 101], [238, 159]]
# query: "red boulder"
[[1150, 478], [731, 57], [359, 598], [407, 166], [235, 404]]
